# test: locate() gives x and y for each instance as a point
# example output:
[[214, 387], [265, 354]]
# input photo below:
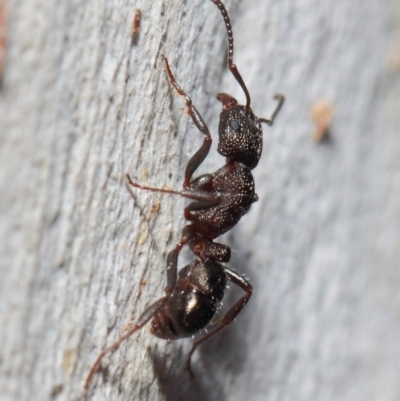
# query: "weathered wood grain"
[[81, 257]]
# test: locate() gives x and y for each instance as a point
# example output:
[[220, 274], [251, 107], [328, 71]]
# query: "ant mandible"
[[220, 200]]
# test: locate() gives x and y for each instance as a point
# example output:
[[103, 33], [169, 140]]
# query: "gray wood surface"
[[81, 257]]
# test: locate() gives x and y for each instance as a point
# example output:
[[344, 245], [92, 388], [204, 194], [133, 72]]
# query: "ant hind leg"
[[230, 315], [149, 313]]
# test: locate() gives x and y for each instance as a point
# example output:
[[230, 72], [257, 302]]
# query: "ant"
[[220, 200]]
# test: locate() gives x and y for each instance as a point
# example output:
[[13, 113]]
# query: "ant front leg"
[[198, 121], [280, 98], [230, 315]]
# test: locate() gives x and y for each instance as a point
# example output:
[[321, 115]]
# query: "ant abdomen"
[[193, 302]]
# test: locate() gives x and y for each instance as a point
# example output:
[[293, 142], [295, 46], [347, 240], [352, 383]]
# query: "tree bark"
[[82, 256]]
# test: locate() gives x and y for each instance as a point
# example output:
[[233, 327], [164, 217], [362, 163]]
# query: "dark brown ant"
[[220, 200]]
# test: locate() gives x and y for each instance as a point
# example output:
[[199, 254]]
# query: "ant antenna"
[[232, 66], [280, 98]]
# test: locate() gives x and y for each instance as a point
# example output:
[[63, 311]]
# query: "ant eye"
[[234, 125]]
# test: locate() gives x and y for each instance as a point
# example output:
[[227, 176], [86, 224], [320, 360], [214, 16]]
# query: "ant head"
[[240, 133]]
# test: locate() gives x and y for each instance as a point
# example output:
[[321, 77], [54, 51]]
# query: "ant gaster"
[[220, 200]]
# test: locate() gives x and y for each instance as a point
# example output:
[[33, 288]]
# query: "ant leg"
[[201, 196], [202, 203], [230, 315], [190, 211], [149, 313], [204, 182], [198, 121], [143, 319], [172, 264], [280, 98], [136, 185]]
